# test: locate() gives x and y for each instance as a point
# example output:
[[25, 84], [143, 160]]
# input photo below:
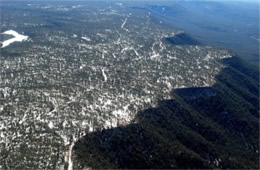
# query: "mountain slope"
[[213, 127], [182, 39], [209, 22]]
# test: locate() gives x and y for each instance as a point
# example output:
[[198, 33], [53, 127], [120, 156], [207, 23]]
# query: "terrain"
[[210, 127], [232, 25], [111, 85]]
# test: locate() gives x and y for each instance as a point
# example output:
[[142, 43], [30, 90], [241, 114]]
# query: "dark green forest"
[[206, 127]]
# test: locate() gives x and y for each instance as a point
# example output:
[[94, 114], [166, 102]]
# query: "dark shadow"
[[211, 127], [182, 39]]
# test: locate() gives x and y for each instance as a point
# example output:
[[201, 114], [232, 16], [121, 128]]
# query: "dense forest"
[[206, 127]]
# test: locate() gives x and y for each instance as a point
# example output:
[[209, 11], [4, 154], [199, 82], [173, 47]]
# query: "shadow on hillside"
[[199, 128]]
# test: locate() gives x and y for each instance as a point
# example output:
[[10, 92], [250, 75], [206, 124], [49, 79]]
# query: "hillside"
[[209, 22], [211, 127], [182, 39]]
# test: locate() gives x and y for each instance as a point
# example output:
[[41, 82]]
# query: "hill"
[[182, 39], [209, 22], [207, 127]]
